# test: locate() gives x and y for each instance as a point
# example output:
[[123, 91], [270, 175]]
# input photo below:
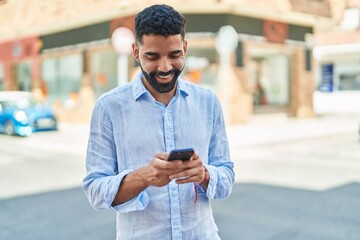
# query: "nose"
[[165, 65]]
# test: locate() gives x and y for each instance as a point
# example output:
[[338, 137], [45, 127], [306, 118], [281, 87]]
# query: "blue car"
[[21, 114]]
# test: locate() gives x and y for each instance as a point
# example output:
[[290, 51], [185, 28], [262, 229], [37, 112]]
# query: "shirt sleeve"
[[220, 166], [102, 180]]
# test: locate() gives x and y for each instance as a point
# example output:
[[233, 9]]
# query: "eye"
[[151, 57], [176, 55]]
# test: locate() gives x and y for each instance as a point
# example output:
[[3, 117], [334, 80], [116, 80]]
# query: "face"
[[161, 60]]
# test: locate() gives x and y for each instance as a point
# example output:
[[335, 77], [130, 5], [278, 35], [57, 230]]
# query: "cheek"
[[147, 66], [179, 64]]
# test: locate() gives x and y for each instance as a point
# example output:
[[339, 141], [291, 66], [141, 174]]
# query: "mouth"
[[164, 77]]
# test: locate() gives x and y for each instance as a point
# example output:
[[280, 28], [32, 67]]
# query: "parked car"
[[21, 114]]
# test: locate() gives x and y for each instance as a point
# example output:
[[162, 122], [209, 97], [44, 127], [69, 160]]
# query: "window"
[[62, 77], [24, 76], [201, 67], [104, 71], [349, 81]]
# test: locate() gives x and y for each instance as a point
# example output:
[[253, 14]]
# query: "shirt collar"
[[139, 88]]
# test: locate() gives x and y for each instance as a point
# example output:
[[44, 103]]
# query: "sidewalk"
[[266, 129], [262, 129], [317, 153]]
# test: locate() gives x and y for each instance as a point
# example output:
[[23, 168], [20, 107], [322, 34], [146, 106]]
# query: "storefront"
[[338, 78], [19, 64], [269, 68]]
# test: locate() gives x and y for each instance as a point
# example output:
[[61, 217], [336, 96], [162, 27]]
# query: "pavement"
[[264, 129], [315, 154], [262, 209], [260, 130], [248, 142]]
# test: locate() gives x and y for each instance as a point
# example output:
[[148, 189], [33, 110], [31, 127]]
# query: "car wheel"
[[9, 128]]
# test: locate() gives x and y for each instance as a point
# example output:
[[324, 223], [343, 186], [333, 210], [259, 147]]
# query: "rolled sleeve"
[[101, 192], [137, 203], [220, 182]]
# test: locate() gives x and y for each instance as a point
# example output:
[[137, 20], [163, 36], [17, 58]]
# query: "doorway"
[[269, 79]]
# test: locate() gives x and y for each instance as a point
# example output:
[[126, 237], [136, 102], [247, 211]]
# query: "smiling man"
[[134, 127]]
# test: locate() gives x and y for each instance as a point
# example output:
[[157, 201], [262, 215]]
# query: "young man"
[[133, 128]]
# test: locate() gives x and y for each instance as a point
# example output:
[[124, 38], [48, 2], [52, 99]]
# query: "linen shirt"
[[128, 127]]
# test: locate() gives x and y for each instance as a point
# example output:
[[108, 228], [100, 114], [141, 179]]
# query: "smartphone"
[[181, 154]]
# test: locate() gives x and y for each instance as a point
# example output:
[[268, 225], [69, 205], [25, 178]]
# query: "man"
[[133, 128]]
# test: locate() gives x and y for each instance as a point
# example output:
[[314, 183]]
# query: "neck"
[[164, 98]]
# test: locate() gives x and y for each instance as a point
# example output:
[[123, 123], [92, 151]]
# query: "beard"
[[158, 86]]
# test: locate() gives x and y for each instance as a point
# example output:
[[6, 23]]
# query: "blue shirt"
[[128, 127]]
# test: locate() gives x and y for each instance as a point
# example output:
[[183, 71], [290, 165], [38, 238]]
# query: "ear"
[[135, 51], [185, 47]]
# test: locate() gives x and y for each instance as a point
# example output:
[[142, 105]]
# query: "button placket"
[[169, 136]]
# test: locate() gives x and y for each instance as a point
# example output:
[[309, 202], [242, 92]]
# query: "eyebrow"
[[155, 54]]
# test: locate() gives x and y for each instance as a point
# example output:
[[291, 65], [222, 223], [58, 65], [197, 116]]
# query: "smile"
[[164, 76]]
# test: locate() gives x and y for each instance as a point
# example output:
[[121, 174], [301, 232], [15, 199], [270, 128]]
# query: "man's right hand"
[[156, 173]]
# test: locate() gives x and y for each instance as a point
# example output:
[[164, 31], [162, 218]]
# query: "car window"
[[21, 103], [5, 104]]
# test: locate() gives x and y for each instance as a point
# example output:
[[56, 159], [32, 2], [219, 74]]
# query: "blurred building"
[[337, 69], [61, 50]]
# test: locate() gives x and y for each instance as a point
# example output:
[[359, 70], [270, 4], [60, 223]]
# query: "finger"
[[195, 156], [176, 165], [162, 155], [192, 172], [194, 163], [193, 179]]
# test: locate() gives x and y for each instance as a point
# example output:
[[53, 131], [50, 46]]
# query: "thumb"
[[162, 155]]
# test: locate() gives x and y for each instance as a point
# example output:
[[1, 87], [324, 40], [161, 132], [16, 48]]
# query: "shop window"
[[24, 76], [62, 78], [349, 81], [201, 67], [269, 79], [104, 71], [347, 76]]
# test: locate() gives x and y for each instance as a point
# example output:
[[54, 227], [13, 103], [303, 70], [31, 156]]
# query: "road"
[[304, 188]]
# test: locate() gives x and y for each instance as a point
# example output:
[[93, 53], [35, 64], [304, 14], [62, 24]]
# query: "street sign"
[[326, 84]]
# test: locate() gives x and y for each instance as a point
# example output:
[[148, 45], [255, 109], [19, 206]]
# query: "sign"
[[275, 31], [122, 39], [326, 84]]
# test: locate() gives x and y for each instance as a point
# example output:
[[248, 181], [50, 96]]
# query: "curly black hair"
[[161, 20]]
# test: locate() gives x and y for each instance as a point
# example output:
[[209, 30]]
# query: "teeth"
[[164, 76]]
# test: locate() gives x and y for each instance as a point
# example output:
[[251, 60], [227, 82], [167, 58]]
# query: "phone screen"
[[181, 154]]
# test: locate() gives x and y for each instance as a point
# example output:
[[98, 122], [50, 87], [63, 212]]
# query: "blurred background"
[[287, 73]]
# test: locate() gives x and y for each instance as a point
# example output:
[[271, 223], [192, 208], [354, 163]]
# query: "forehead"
[[158, 43]]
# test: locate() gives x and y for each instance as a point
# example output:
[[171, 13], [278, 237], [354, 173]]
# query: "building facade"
[[270, 69], [337, 70]]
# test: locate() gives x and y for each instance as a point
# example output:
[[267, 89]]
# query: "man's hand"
[[190, 171], [158, 171]]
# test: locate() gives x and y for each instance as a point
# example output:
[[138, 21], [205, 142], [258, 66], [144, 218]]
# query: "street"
[[294, 188]]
